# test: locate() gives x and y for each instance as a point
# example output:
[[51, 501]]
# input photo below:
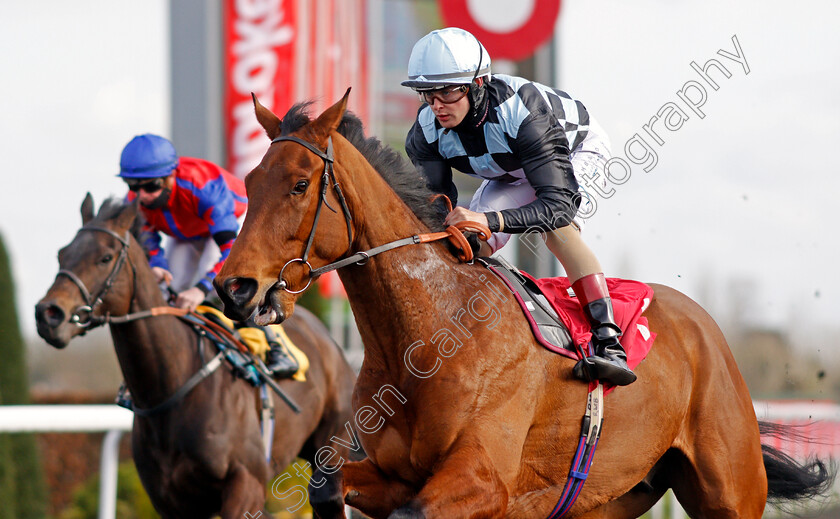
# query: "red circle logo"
[[520, 42]]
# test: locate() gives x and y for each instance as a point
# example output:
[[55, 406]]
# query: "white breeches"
[[587, 159]]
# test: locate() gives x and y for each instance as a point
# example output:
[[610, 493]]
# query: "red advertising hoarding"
[[285, 51]]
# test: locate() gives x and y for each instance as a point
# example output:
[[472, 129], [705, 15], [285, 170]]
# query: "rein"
[[454, 233], [83, 317]]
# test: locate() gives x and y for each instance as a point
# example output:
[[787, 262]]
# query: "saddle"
[[257, 340], [557, 319], [545, 323]]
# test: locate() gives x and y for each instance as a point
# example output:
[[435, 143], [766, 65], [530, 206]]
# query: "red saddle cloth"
[[629, 300]]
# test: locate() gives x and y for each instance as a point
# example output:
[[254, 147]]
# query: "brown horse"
[[461, 412], [205, 455]]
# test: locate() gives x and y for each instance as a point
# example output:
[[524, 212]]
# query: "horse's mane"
[[396, 170]]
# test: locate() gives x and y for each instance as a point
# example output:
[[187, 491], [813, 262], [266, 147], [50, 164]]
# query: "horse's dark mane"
[[396, 170]]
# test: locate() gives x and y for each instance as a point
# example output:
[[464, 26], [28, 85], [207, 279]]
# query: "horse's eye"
[[106, 259], [300, 187]]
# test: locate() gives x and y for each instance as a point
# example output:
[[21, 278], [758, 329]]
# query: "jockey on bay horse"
[[530, 144], [191, 200]]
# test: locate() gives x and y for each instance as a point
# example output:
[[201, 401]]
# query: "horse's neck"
[[156, 354], [406, 294]]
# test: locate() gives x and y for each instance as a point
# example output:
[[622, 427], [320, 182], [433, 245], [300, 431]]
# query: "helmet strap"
[[477, 95]]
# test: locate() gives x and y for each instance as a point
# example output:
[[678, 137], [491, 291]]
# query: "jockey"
[[529, 143], [191, 200]]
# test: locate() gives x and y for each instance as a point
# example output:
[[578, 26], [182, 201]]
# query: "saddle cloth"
[[629, 298], [257, 342]]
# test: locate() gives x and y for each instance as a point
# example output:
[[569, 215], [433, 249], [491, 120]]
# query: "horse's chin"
[[267, 314], [58, 338]]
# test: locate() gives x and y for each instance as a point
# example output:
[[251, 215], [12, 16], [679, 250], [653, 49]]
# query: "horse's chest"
[[391, 452]]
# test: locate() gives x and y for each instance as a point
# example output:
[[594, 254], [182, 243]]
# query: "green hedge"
[[24, 470], [132, 500]]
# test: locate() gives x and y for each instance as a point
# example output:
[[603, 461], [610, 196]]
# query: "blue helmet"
[[148, 156]]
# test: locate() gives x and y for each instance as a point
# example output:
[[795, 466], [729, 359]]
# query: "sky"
[[742, 199]]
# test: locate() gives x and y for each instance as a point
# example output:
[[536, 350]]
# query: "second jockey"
[[199, 205]]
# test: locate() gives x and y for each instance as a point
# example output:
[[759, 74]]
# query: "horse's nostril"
[[50, 314], [240, 290]]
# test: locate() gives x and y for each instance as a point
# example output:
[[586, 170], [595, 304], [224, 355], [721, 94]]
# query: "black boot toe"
[[281, 366]]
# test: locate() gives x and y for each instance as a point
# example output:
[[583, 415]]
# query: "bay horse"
[[205, 455], [474, 418]]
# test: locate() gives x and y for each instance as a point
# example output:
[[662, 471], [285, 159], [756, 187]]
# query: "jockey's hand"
[[189, 298], [162, 275], [461, 214]]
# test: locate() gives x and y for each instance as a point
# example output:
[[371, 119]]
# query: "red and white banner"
[[286, 51], [509, 30]]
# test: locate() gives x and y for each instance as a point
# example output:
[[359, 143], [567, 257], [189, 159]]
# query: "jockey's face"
[[450, 115], [154, 193]]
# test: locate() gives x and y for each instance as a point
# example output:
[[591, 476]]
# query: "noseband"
[[329, 174], [83, 315]]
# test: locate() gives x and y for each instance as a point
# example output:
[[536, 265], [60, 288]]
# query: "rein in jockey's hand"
[[461, 214], [189, 298]]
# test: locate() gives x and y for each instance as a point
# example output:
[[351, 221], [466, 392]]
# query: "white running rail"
[[111, 419]]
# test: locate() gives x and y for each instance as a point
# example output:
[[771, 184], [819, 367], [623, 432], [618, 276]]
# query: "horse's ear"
[[87, 209], [328, 122], [125, 218], [267, 119]]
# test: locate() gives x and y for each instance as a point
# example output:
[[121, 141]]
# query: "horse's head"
[[93, 278], [296, 216]]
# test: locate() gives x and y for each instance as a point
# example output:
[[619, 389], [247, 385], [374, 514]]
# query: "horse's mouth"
[[270, 310]]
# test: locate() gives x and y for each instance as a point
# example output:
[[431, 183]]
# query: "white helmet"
[[448, 56]]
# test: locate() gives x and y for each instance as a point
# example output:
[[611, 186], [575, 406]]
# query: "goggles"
[[149, 186], [446, 95]]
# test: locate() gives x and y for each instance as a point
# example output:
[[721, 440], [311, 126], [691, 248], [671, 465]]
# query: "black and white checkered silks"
[[492, 158]]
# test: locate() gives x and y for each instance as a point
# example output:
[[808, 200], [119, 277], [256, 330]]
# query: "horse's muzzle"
[[49, 318]]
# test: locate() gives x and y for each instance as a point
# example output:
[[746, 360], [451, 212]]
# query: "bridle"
[[83, 316], [453, 233], [329, 174]]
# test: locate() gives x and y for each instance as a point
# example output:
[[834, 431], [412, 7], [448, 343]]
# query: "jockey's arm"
[[543, 151], [224, 239], [151, 239], [192, 297]]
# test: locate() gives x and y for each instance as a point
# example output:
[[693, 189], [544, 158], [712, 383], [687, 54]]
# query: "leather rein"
[[454, 233]]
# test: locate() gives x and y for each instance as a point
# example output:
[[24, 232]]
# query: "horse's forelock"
[[296, 118], [113, 207], [110, 209]]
